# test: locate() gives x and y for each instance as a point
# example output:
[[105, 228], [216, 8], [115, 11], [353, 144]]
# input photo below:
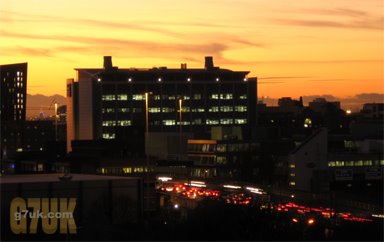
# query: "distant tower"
[[108, 63], [209, 63], [301, 101]]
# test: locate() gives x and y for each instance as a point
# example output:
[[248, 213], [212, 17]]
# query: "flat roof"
[[54, 177]]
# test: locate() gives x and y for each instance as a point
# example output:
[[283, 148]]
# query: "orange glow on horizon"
[[301, 48]]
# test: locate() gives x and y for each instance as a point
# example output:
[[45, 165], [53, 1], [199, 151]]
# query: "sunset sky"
[[295, 48]]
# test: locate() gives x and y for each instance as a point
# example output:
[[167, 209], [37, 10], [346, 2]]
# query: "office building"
[[101, 103], [13, 91]]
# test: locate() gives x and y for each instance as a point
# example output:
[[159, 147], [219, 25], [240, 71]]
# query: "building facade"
[[13, 91], [102, 102]]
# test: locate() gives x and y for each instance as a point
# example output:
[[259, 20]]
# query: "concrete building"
[[308, 163], [100, 101]]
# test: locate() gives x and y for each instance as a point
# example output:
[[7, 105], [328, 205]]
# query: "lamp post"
[[146, 125], [180, 124], [55, 121]]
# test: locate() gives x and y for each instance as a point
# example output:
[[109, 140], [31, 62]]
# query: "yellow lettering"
[[17, 214], [67, 209], [49, 221], [35, 204]]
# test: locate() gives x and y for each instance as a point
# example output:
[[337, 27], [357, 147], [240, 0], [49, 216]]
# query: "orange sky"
[[295, 48]]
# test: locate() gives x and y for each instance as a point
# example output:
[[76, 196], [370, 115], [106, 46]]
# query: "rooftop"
[[7, 179]]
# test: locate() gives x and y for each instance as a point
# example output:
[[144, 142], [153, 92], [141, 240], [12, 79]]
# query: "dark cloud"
[[376, 97]]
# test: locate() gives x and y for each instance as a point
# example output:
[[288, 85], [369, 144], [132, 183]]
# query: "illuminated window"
[[307, 123], [136, 110], [331, 163], [108, 97], [367, 162], [292, 166], [154, 110], [226, 109], [212, 121], [226, 96], [184, 123], [359, 163], [221, 147], [197, 96], [109, 123], [214, 109], [122, 97], [123, 110], [339, 163], [186, 97], [40, 167], [169, 122], [292, 174], [156, 97], [197, 121], [198, 110], [382, 162], [240, 121], [215, 96], [226, 121], [186, 109], [292, 183], [168, 110], [222, 160], [108, 110], [172, 97], [240, 108], [127, 170], [243, 96], [124, 123], [108, 136], [349, 163], [138, 97]]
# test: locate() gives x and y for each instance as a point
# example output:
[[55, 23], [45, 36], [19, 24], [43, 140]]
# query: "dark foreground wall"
[[100, 204]]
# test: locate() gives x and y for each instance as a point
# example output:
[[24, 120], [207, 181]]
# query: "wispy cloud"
[[376, 24], [122, 47], [280, 77], [315, 61], [150, 26], [335, 18]]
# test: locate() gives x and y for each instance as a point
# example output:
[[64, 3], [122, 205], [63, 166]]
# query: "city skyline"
[[301, 48]]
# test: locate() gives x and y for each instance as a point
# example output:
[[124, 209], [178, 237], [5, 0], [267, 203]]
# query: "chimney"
[[108, 63], [183, 66], [209, 63]]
